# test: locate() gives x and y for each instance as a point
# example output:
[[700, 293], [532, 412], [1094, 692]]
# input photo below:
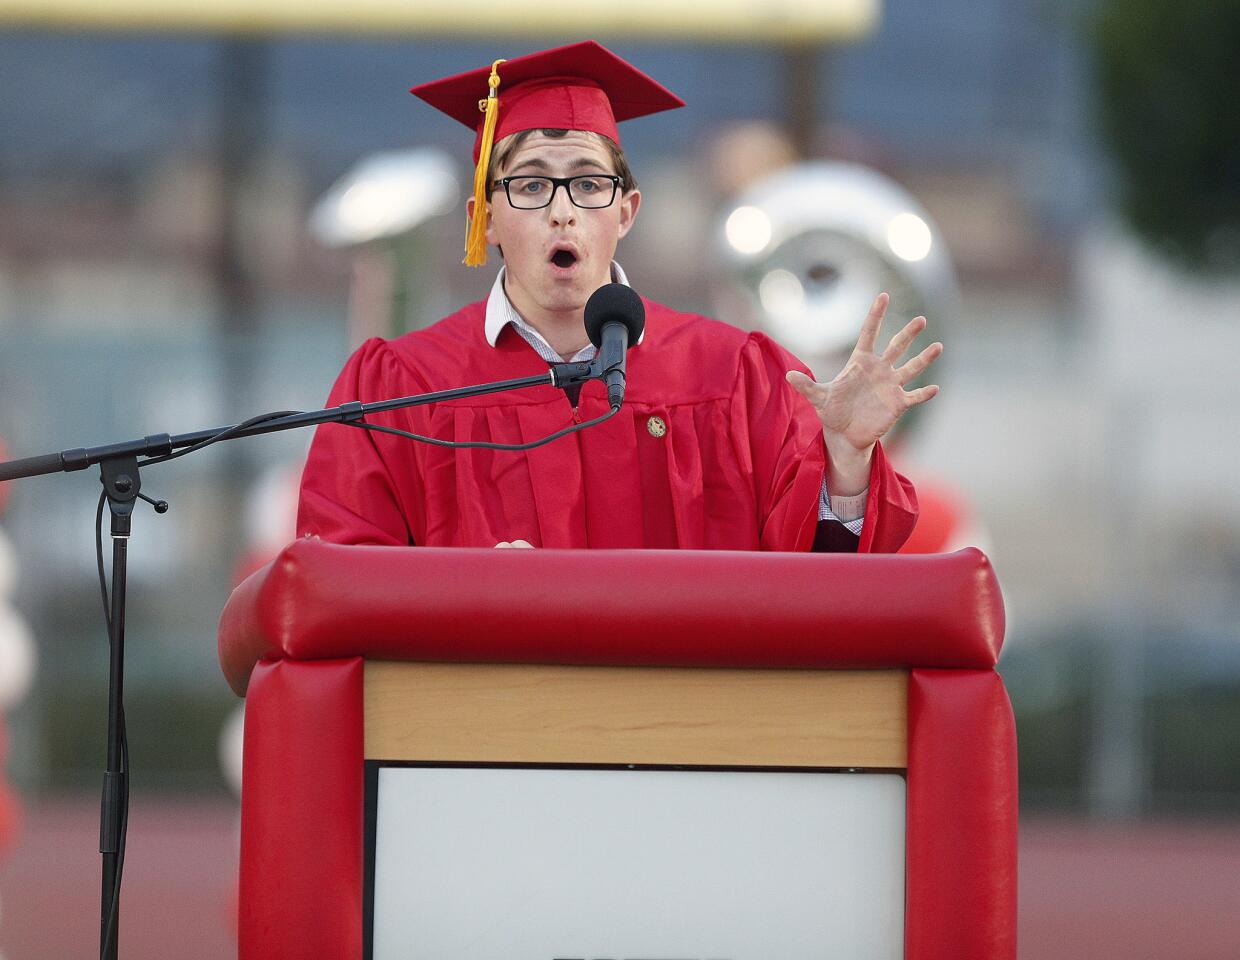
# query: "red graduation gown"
[[739, 467]]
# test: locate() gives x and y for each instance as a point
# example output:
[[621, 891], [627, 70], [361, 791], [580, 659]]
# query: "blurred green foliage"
[[1189, 725], [173, 738], [1193, 739], [1168, 95], [1049, 686]]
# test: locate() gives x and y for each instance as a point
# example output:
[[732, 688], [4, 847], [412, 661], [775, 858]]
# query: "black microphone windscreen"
[[612, 303]]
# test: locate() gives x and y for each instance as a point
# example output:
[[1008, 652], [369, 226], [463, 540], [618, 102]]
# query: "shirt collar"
[[501, 312]]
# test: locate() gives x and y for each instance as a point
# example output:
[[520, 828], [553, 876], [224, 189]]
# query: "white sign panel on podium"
[[518, 863]]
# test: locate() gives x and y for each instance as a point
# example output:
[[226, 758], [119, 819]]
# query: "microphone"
[[615, 318]]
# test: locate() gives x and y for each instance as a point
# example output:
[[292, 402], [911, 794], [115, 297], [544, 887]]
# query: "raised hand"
[[867, 397]]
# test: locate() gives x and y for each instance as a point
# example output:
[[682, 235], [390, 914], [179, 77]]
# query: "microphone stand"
[[120, 474]]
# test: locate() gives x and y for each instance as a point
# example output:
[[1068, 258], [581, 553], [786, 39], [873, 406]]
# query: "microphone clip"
[[569, 374]]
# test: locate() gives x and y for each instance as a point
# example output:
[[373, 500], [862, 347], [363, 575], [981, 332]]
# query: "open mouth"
[[564, 258]]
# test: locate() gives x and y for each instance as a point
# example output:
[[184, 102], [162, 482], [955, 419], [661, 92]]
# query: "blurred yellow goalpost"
[[777, 21]]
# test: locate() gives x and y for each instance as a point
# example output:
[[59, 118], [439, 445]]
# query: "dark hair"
[[510, 144]]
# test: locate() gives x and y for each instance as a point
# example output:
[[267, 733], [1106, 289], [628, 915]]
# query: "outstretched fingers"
[[902, 340], [868, 338], [805, 386], [917, 366], [920, 395]]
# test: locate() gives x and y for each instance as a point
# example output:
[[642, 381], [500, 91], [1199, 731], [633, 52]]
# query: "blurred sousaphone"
[[811, 246]]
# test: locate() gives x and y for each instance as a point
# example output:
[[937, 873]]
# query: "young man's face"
[[560, 254]]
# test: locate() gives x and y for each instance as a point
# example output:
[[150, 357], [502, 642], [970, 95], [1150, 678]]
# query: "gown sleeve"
[[781, 435], [349, 493], [890, 508]]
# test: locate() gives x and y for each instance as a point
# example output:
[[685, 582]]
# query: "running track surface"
[[1146, 891]]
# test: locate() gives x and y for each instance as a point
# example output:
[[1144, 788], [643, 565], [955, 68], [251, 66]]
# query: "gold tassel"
[[476, 238]]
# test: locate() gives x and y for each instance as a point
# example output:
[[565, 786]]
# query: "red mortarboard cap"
[[583, 86]]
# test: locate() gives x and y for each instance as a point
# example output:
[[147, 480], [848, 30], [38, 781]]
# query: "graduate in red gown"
[[723, 441]]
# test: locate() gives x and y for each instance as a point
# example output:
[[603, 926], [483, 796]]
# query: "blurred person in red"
[[724, 441], [17, 664]]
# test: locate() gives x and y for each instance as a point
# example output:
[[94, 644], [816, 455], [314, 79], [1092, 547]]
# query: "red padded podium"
[[316, 640]]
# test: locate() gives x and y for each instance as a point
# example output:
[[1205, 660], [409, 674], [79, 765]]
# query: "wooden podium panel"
[[503, 819], [529, 713]]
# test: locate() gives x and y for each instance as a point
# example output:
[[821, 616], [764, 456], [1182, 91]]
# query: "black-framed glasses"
[[590, 191]]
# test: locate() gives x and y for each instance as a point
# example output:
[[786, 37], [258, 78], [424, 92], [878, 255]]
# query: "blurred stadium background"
[[162, 270]]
